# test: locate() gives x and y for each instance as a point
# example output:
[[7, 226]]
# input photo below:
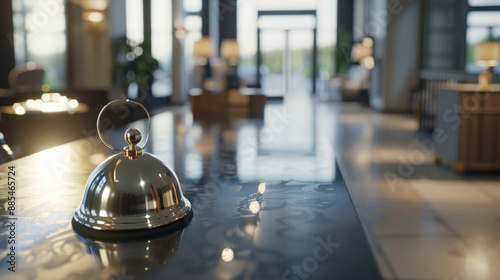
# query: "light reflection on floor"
[[286, 145]]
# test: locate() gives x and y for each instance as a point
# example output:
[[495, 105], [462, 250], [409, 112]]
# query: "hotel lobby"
[[242, 139]]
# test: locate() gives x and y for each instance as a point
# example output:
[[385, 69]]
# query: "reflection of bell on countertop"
[[132, 190], [133, 258]]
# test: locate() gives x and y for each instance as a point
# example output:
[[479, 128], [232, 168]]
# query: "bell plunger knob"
[[133, 136]]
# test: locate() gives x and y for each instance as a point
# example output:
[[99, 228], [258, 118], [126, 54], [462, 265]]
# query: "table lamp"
[[487, 54], [203, 49], [363, 53], [230, 51]]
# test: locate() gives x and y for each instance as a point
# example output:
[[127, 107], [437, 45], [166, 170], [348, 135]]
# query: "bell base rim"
[[125, 223], [130, 234], [133, 223]]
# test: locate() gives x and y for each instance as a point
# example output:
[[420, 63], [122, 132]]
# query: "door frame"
[[290, 13]]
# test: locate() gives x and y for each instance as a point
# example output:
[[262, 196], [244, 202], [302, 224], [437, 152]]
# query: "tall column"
[[344, 35], [179, 95], [146, 4], [227, 16], [117, 20], [205, 17], [286, 63], [211, 10], [89, 51], [359, 19], [6, 42], [396, 53]]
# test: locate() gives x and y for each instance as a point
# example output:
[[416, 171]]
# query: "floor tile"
[[450, 192], [425, 258], [399, 220], [471, 221], [490, 188], [482, 259]]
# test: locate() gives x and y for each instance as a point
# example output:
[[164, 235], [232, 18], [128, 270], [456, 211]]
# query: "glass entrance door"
[[286, 54]]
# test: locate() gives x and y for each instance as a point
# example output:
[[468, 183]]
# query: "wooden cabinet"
[[467, 132], [228, 105]]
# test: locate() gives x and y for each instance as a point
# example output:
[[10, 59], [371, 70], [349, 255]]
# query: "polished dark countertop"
[[268, 200]]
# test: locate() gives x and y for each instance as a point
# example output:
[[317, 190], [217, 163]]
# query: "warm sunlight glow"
[[73, 104], [227, 254], [55, 97], [30, 103], [46, 97], [19, 109], [49, 103]]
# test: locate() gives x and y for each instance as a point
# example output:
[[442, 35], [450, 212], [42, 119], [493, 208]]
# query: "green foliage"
[[133, 62], [273, 60], [301, 60], [326, 59], [343, 51], [470, 53]]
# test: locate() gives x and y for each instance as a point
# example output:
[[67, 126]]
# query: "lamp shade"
[[203, 47], [360, 51], [487, 53], [99, 5], [230, 48]]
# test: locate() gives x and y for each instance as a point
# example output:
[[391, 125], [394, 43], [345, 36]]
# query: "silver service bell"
[[132, 190]]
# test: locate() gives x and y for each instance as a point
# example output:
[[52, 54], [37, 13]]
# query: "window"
[[483, 2], [135, 21], [161, 46], [483, 24], [192, 6], [192, 24], [40, 37]]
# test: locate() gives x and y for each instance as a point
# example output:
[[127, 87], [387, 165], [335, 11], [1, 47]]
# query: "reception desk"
[[228, 105]]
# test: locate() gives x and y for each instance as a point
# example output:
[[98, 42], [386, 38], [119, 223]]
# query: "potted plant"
[[134, 63]]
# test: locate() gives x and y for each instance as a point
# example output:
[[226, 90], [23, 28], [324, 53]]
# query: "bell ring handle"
[[126, 101]]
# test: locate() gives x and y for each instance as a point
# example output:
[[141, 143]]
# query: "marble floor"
[[422, 220]]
